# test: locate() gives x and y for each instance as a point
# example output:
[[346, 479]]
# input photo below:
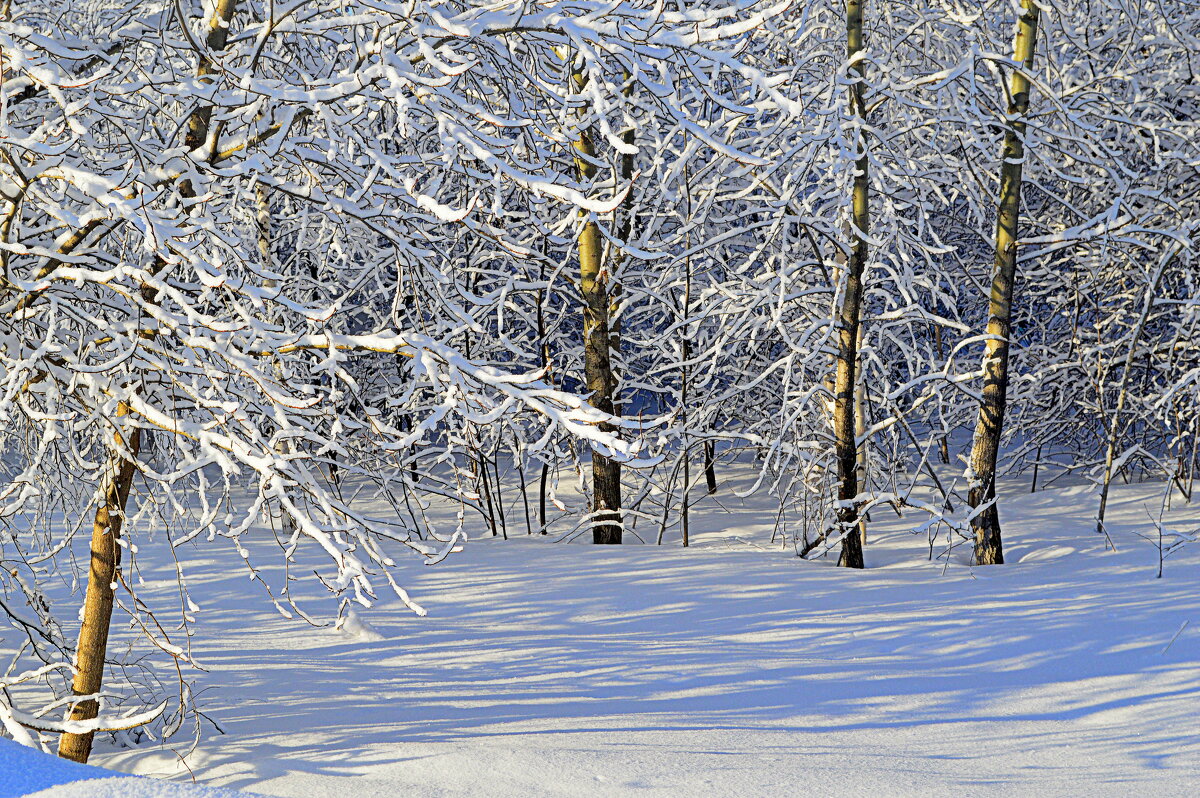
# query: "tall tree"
[[985, 520], [598, 341]]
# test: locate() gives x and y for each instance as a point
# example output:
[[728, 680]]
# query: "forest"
[[864, 304]]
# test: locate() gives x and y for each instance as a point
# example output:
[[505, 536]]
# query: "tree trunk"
[[710, 467], [986, 522], [92, 646], [262, 219], [943, 443], [1191, 465], [598, 371], [1110, 448], [844, 426], [860, 430], [542, 497], [684, 515], [199, 124], [544, 346]]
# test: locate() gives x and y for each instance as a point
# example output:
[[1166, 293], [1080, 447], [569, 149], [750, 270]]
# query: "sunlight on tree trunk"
[[103, 574], [986, 522]]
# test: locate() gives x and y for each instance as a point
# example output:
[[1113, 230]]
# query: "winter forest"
[[334, 333]]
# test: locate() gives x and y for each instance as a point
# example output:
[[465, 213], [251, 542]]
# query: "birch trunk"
[[986, 522], [850, 313]]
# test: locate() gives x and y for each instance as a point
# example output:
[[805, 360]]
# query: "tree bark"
[[103, 571], [860, 429], [943, 443], [199, 124], [597, 355], [850, 313], [989, 549]]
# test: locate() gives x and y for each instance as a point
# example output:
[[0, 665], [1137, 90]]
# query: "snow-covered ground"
[[729, 668], [26, 772]]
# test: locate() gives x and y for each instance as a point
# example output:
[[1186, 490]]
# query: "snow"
[[26, 772], [730, 668], [133, 788]]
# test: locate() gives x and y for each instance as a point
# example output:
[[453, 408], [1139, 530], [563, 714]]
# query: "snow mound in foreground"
[[25, 772]]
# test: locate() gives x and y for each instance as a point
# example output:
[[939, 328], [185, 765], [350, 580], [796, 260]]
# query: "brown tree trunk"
[[542, 498], [986, 523], [544, 346], [103, 571], [850, 313], [598, 370]]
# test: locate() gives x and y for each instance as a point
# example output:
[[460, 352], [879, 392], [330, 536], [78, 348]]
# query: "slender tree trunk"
[[684, 515], [624, 233], [1037, 462], [986, 523], [943, 443], [710, 467], [850, 314], [599, 291], [103, 571], [685, 351], [542, 497], [520, 458], [1191, 466], [544, 345], [499, 500], [1114, 427], [597, 342], [860, 430]]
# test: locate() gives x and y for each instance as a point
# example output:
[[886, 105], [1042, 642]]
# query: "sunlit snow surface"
[[730, 668]]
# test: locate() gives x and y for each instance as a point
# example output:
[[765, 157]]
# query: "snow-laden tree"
[[314, 266], [1099, 153], [229, 235]]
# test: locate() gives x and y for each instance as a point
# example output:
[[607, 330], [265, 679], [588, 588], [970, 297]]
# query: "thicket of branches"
[[268, 264]]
